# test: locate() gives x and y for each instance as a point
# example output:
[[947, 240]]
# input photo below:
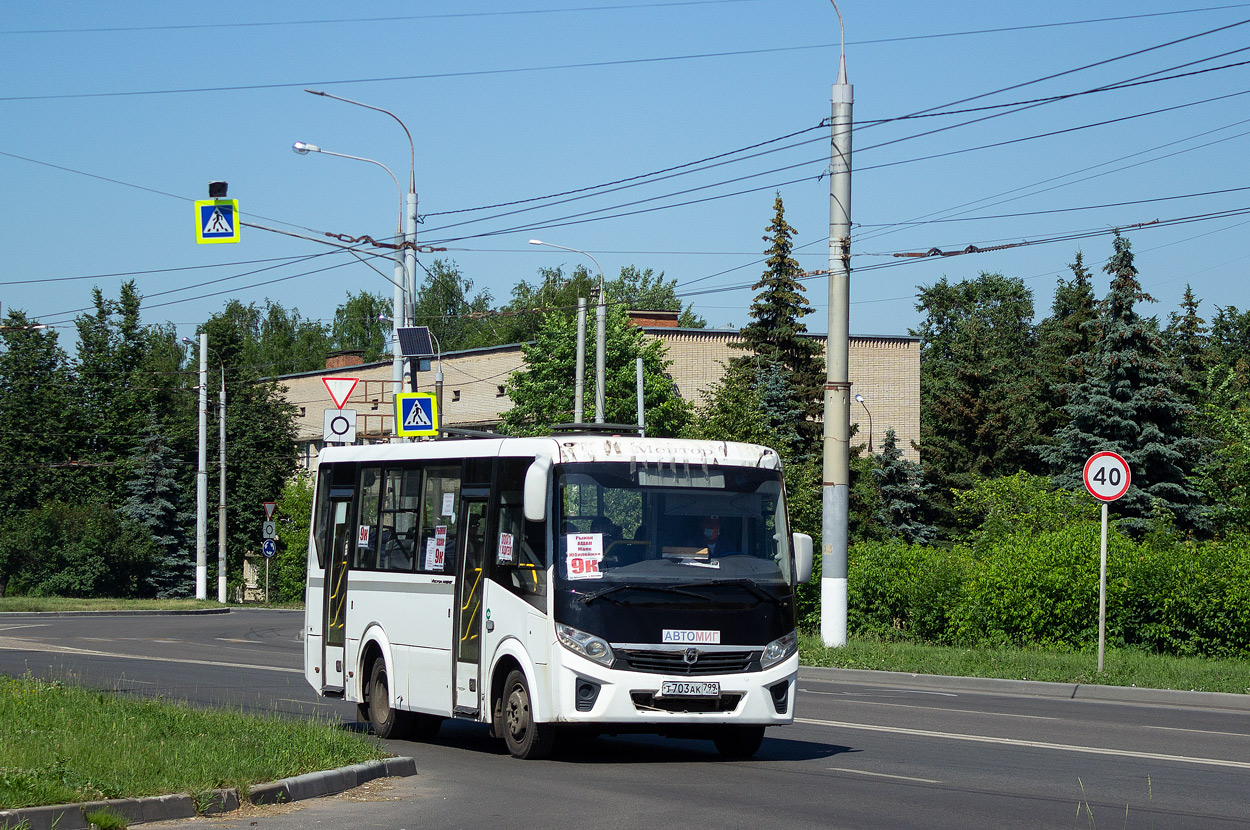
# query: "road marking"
[[23, 625], [1199, 731], [14, 644], [305, 702], [987, 739], [931, 708], [237, 640], [884, 775]]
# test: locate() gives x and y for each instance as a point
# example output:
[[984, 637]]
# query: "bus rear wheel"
[[737, 743], [526, 738], [387, 721]]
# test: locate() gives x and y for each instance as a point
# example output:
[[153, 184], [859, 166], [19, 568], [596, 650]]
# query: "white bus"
[[616, 584]]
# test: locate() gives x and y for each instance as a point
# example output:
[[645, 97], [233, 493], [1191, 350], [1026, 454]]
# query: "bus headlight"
[[779, 649], [587, 645]]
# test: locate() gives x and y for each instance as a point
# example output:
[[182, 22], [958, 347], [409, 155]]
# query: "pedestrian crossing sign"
[[416, 415], [216, 220]]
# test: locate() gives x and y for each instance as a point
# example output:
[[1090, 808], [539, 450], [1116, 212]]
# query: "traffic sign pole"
[[1107, 478]]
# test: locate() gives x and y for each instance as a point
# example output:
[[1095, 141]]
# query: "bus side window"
[[436, 549], [367, 530], [400, 518], [520, 550]]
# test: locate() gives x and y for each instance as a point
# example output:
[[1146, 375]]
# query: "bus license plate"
[[685, 688]]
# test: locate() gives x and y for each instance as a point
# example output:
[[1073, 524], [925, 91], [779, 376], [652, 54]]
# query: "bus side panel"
[[427, 640], [519, 630], [314, 609]]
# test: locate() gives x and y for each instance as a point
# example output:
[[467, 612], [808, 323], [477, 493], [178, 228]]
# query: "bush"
[[74, 550], [1188, 599], [894, 588]]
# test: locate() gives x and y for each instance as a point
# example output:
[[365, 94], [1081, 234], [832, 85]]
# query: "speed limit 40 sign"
[[1106, 476]]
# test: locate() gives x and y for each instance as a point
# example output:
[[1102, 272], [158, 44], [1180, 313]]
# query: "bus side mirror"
[[802, 557], [537, 486]]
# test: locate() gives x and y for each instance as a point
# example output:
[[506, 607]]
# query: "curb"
[[1034, 688], [182, 805], [118, 612]]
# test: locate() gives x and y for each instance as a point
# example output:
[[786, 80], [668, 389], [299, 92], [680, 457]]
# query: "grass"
[[64, 743], [28, 604], [1121, 667]]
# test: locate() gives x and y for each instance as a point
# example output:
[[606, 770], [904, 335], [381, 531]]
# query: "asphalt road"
[[868, 751]]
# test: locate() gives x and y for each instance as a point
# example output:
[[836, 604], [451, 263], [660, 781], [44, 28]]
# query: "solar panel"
[[414, 341]]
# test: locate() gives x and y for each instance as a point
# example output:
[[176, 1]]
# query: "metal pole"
[[410, 267], [201, 481], [1102, 590], [579, 385], [397, 320], [221, 495], [836, 476], [601, 324], [642, 414]]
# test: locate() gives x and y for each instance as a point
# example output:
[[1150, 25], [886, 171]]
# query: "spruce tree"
[[903, 494], [1062, 338], [1128, 403], [777, 333], [154, 503], [1185, 342]]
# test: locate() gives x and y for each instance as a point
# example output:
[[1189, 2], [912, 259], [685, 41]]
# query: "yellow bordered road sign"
[[416, 415], [216, 220]]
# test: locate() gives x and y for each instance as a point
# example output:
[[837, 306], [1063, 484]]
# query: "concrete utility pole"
[[601, 317], [579, 386], [221, 493], [201, 481], [836, 476]]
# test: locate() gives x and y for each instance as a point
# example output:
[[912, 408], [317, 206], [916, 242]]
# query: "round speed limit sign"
[[1106, 476]]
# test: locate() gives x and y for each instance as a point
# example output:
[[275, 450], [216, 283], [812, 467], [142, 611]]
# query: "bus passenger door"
[[335, 621], [472, 556]]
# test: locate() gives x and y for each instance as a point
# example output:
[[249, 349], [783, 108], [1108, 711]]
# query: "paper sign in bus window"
[[505, 549], [584, 554], [449, 504], [435, 556], [362, 536]]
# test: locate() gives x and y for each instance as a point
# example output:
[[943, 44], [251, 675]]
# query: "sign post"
[[1107, 478]]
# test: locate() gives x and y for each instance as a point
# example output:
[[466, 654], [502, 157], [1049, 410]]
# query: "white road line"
[[1198, 731], [237, 640], [884, 775], [304, 702], [23, 625], [13, 644], [929, 708], [987, 739]]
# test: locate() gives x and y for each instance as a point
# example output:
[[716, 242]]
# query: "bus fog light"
[[587, 645], [779, 649]]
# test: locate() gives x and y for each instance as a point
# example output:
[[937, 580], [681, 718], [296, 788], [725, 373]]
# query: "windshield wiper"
[[662, 589], [749, 585]]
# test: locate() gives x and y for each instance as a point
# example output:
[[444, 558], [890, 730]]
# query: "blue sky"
[[102, 149]]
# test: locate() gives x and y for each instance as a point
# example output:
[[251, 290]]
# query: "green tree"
[[1185, 343], [292, 514], [777, 334], [542, 392], [1062, 338], [157, 502], [1129, 402], [34, 408], [903, 494], [978, 383], [260, 442], [1225, 471], [1229, 343], [644, 290], [356, 326], [458, 318]]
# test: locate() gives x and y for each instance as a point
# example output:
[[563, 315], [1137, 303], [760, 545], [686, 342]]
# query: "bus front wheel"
[[387, 721], [525, 737], [737, 743]]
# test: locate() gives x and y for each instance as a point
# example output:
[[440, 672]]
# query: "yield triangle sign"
[[340, 389], [269, 505]]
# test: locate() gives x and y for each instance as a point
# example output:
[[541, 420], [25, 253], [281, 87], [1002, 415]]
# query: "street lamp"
[[408, 211], [201, 495], [303, 148], [601, 316], [860, 398]]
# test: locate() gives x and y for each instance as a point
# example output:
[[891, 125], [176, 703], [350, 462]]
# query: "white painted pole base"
[[201, 581], [833, 611]]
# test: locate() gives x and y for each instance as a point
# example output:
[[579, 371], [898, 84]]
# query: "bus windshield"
[[625, 522]]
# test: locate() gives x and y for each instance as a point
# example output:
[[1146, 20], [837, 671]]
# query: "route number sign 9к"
[[1106, 476]]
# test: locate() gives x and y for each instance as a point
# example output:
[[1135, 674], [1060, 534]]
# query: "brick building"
[[884, 369]]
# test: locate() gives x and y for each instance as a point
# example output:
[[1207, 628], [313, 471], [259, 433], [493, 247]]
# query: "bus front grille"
[[678, 662], [647, 701]]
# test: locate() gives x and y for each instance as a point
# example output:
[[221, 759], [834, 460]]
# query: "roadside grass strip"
[[63, 743], [1122, 667], [26, 605]]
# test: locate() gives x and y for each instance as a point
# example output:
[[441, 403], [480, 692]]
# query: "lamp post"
[[303, 148], [408, 210], [201, 495], [860, 398], [601, 317]]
